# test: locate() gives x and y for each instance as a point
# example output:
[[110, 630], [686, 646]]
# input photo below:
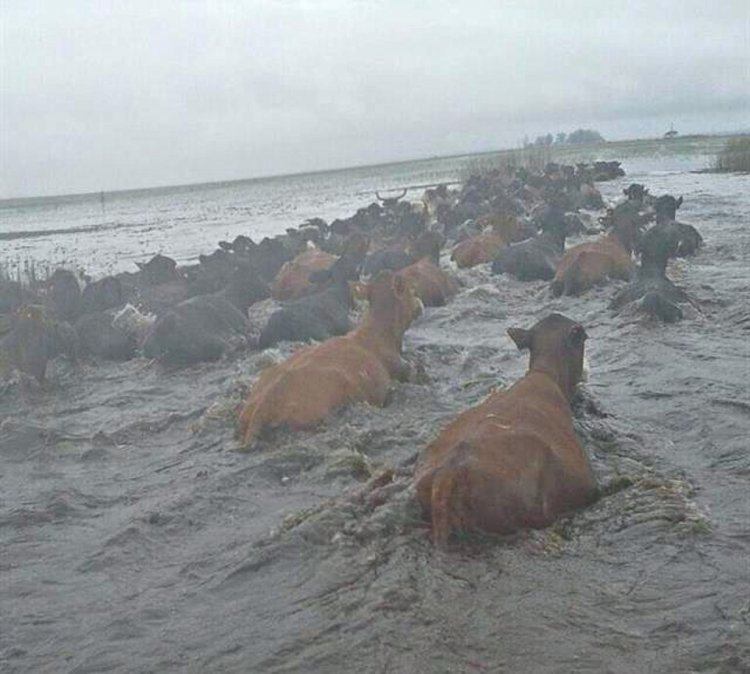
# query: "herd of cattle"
[[511, 462]]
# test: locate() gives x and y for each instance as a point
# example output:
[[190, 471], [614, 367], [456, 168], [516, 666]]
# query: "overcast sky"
[[114, 95]]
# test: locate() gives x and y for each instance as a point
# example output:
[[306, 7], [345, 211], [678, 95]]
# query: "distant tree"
[[548, 139], [585, 136], [526, 141], [561, 137]]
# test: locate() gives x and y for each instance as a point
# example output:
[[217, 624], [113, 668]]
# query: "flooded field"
[[108, 233], [135, 538]]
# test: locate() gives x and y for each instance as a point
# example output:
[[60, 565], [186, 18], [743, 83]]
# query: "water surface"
[[135, 538]]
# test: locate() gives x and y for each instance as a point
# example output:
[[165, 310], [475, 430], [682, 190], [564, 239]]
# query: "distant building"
[[671, 133]]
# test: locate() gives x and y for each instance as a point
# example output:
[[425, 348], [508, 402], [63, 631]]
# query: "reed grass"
[[30, 272], [735, 156], [532, 157]]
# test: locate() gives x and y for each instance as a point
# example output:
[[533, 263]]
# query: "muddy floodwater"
[[135, 538]]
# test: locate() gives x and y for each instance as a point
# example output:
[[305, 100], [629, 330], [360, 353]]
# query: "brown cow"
[[402, 251], [306, 387], [513, 461], [293, 279], [430, 283], [500, 230], [589, 264]]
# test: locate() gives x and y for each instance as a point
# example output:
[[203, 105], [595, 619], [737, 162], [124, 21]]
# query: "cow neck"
[[652, 268], [554, 369], [618, 237], [661, 218], [343, 294], [379, 331], [555, 236]]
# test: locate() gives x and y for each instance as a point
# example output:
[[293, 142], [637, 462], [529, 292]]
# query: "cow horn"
[[384, 199]]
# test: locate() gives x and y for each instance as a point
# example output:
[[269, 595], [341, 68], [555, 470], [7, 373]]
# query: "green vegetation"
[[734, 156]]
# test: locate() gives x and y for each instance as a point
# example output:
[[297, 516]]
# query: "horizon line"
[[5, 201]]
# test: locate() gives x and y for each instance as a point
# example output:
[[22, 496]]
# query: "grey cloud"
[[114, 95]]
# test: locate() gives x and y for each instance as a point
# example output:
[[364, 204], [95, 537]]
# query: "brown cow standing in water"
[[314, 381], [589, 264], [513, 461]]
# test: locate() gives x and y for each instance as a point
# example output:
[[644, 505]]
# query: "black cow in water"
[[320, 315], [99, 335], [63, 298], [659, 297], [205, 327], [428, 244], [536, 258], [689, 239], [158, 285], [159, 269], [106, 293]]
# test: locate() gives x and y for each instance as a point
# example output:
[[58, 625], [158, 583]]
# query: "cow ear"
[[399, 285], [679, 202], [521, 337]]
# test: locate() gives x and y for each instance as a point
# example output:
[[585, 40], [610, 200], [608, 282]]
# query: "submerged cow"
[[609, 257], [293, 279], [157, 286], [513, 461], [318, 316], [658, 297], [433, 286], [106, 293], [395, 257], [159, 269], [536, 258], [689, 239], [607, 170], [205, 327], [500, 230], [304, 389], [100, 335], [63, 298]]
